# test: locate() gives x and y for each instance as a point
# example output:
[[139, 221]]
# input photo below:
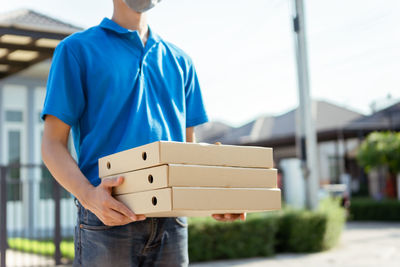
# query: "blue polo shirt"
[[117, 94]]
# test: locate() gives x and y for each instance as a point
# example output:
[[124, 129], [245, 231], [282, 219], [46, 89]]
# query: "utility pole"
[[306, 136]]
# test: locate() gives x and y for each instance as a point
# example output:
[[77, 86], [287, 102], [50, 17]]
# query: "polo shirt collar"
[[109, 24]]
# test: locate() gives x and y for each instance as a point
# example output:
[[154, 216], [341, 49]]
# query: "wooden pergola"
[[27, 38]]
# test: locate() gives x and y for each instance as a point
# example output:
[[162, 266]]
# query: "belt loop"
[[76, 202]]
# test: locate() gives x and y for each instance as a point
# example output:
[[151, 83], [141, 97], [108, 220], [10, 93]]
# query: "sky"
[[243, 51]]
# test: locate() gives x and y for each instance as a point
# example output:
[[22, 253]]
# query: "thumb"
[[112, 182]]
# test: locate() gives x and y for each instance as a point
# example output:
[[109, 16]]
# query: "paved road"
[[361, 245], [17, 259]]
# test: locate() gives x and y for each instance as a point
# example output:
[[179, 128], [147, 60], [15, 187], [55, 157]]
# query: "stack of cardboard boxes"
[[169, 179]]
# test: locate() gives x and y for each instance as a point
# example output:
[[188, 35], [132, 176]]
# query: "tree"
[[381, 149]]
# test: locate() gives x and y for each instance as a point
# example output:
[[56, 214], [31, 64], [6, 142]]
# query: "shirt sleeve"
[[65, 97], [195, 109]]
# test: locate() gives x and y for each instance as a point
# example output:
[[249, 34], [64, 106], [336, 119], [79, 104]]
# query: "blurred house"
[[27, 43], [339, 133]]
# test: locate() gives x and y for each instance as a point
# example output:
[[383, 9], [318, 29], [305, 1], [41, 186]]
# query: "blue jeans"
[[152, 242]]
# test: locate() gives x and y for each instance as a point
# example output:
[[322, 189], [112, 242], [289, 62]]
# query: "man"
[[119, 85]]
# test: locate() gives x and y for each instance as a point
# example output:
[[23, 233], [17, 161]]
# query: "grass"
[[42, 247]]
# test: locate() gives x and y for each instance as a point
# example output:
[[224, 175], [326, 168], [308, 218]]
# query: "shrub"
[[336, 218], [300, 231], [310, 231], [210, 240], [263, 234], [366, 209]]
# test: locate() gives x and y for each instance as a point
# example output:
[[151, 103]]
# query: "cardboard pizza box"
[[200, 201], [164, 152], [180, 175]]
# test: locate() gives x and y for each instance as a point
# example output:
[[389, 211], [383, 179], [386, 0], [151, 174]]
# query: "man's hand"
[[65, 170], [229, 217], [109, 210]]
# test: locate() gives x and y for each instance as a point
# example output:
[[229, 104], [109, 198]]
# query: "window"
[[14, 146], [14, 158], [14, 116], [334, 172]]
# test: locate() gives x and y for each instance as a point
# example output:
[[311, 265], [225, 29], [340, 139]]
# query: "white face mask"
[[141, 5]]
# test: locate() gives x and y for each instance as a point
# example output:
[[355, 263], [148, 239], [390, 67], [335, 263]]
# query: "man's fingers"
[[140, 217], [112, 182], [121, 208], [217, 216], [229, 217], [121, 213], [114, 218]]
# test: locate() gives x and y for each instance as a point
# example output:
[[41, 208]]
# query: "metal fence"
[[36, 216]]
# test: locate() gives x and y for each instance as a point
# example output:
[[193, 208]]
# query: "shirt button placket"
[[141, 67], [142, 62]]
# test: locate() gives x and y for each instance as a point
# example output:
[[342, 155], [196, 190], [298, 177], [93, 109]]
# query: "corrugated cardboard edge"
[[186, 175], [119, 166], [187, 197], [174, 147], [142, 202], [143, 184], [196, 213], [159, 152], [124, 161], [228, 176]]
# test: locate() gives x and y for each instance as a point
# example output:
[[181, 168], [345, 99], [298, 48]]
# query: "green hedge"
[[261, 235], [307, 231], [265, 234], [367, 209], [211, 240], [301, 232]]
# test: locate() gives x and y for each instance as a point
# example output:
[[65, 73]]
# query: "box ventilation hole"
[[154, 201]]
